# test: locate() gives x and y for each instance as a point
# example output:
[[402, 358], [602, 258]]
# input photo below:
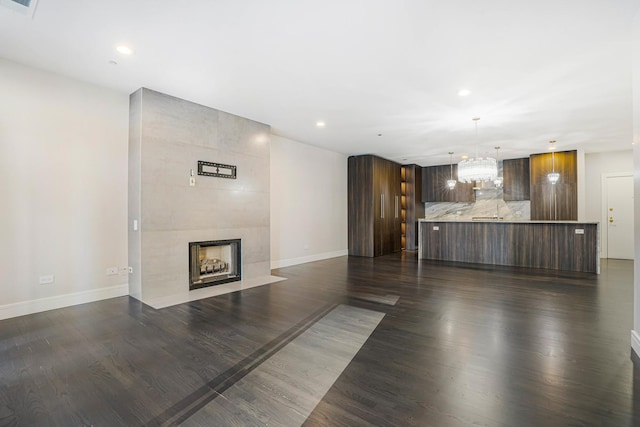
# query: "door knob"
[[610, 219]]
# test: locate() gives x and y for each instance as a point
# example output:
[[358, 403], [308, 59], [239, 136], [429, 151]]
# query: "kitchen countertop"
[[507, 221]]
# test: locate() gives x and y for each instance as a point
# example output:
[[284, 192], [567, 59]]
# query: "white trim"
[[310, 258], [51, 303], [604, 236], [635, 342]]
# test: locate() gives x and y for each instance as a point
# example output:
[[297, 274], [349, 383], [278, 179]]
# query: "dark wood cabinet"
[[554, 202], [374, 193], [434, 185], [413, 206], [517, 184]]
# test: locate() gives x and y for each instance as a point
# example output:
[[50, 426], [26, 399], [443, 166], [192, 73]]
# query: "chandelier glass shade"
[[482, 169], [478, 169], [498, 181]]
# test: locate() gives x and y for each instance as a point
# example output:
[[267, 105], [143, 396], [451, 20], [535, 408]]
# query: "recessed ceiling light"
[[125, 50], [464, 157], [464, 92], [320, 124]]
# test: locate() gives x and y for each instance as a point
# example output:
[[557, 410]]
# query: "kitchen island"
[[555, 245]]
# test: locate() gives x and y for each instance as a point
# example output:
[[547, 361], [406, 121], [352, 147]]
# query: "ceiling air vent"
[[25, 7]]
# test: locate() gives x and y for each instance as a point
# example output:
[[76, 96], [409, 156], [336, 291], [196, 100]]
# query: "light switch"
[[579, 230], [436, 228], [135, 225]]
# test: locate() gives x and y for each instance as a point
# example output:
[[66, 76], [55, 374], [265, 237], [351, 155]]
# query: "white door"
[[619, 197]]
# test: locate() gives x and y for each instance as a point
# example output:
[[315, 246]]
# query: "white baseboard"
[[51, 303], [310, 258], [635, 342]]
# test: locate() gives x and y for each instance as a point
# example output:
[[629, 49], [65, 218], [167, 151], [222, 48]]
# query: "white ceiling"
[[538, 70]]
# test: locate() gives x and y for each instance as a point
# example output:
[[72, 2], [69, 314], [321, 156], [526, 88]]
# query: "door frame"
[[604, 233]]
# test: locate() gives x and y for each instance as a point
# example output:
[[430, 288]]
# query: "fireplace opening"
[[213, 263]]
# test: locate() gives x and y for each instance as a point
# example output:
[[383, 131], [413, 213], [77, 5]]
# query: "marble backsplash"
[[488, 203]]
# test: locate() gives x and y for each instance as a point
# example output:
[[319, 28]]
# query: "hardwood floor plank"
[[285, 388], [464, 345], [380, 299]]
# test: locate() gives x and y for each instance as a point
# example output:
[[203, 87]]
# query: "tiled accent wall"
[[168, 136]]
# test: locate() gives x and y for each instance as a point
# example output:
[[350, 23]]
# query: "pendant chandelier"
[[451, 183], [499, 180], [554, 176], [479, 169]]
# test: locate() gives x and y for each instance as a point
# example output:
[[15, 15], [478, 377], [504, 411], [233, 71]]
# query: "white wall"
[[308, 203], [63, 189], [596, 165], [635, 334]]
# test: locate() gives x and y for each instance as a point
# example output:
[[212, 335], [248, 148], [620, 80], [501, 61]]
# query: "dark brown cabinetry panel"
[[434, 185], [414, 208], [516, 179], [374, 206], [557, 202], [361, 206]]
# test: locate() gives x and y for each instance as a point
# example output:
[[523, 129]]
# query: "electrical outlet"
[[111, 271], [44, 280]]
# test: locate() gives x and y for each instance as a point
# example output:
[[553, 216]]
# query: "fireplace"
[[213, 263]]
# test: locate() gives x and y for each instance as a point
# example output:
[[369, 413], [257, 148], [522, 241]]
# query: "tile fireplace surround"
[[167, 138]]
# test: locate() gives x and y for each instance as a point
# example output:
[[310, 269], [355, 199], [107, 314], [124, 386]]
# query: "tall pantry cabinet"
[[375, 210]]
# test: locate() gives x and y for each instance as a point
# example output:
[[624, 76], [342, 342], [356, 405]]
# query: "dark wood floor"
[[465, 345]]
